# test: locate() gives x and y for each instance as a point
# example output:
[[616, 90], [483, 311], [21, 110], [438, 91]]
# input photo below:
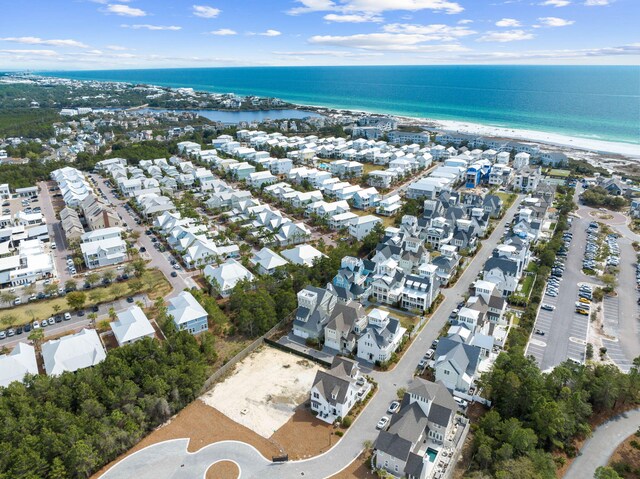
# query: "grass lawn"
[[406, 319], [559, 173], [369, 167], [507, 198], [527, 284], [154, 284]]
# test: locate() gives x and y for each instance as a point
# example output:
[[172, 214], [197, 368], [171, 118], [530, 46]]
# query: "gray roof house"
[[346, 322], [314, 308], [412, 443]]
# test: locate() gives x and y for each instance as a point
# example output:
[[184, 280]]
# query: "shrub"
[[339, 433], [346, 422]]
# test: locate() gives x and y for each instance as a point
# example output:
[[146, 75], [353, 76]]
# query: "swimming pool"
[[432, 453]]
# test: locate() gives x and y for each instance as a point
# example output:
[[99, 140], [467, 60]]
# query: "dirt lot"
[[203, 425], [264, 391], [627, 454], [304, 436], [223, 470], [358, 469]]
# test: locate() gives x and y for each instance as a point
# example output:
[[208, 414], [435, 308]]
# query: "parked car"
[[548, 307], [67, 316], [382, 423], [393, 407]]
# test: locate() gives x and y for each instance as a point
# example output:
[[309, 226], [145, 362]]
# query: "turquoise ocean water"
[[600, 102]]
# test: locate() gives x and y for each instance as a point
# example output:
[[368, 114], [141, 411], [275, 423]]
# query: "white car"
[[548, 307], [382, 423], [393, 407], [67, 316]]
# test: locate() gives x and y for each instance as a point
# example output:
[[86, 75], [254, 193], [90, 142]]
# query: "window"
[[446, 372], [316, 395]]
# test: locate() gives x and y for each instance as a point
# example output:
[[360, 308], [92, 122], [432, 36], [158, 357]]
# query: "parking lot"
[[561, 333]]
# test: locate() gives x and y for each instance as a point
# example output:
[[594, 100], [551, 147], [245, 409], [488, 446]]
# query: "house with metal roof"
[[17, 364], [132, 325], [70, 353], [187, 313]]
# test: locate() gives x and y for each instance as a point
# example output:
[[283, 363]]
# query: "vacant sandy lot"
[[264, 390]]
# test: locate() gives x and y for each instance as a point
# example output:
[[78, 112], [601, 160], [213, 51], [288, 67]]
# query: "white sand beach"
[[597, 146]]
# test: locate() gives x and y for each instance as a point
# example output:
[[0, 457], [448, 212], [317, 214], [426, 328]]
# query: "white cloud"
[[556, 3], [270, 33], [204, 11], [508, 23], [223, 32], [396, 42], [117, 48], [40, 53], [624, 50], [40, 41], [125, 10], [465, 22], [330, 53], [374, 6], [506, 36], [353, 18], [554, 22], [152, 27], [435, 32], [598, 3]]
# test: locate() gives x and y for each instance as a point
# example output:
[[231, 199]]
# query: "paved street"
[[78, 322], [604, 441], [56, 229], [157, 259], [565, 330], [152, 463]]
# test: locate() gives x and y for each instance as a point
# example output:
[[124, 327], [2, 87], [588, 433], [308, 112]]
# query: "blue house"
[[354, 278], [477, 173], [187, 313]]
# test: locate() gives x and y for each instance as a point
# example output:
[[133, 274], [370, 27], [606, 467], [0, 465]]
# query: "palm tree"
[[93, 278], [56, 308], [92, 318], [7, 298], [36, 336], [112, 313], [139, 304]]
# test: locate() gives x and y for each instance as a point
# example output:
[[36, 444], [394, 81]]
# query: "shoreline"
[[586, 145], [583, 145]]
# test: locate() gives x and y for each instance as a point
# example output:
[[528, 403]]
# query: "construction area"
[[264, 390]]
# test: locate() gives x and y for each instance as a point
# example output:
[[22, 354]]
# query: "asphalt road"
[[157, 259], [78, 322], [153, 462], [565, 330], [602, 444]]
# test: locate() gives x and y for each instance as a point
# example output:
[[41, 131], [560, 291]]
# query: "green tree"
[[139, 267], [93, 278], [36, 336], [606, 472], [70, 285], [76, 299], [7, 298]]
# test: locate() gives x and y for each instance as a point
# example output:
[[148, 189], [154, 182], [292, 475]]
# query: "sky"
[[125, 34]]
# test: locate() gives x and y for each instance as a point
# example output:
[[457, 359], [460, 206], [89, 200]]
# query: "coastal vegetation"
[[597, 196], [69, 426]]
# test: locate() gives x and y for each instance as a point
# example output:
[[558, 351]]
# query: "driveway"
[[153, 463], [602, 444]]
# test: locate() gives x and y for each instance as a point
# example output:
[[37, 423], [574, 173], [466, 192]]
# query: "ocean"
[[597, 102]]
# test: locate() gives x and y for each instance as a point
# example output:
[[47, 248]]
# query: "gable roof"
[[184, 308], [15, 365], [131, 324], [70, 353]]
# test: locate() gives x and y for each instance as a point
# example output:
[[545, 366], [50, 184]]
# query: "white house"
[[303, 254], [17, 364], [226, 276], [363, 225], [381, 337], [103, 247], [267, 261], [70, 353], [335, 392], [131, 326]]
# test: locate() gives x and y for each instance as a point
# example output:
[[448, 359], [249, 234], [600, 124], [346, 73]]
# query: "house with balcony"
[[336, 391], [103, 247], [414, 440], [381, 337], [187, 313], [314, 309]]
